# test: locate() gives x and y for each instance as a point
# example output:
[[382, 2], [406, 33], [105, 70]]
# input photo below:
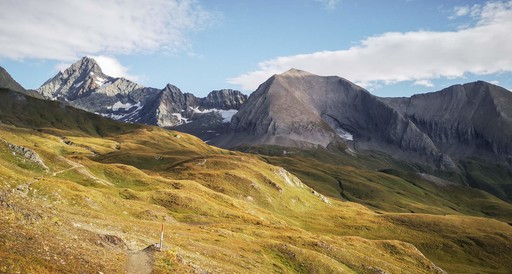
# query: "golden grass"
[[224, 212]]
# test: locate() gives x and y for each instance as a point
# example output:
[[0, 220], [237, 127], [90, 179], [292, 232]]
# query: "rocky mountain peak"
[[86, 65], [299, 109], [224, 99], [172, 89], [293, 72], [77, 81]]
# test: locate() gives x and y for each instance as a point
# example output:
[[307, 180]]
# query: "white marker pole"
[[162, 238]]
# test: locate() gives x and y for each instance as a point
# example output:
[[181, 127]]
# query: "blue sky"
[[390, 47]]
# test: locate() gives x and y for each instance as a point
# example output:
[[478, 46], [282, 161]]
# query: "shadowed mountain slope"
[[463, 120]]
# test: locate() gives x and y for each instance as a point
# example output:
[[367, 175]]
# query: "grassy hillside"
[[90, 198], [384, 184]]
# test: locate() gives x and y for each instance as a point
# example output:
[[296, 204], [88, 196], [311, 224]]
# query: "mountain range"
[[342, 181], [85, 86], [299, 109]]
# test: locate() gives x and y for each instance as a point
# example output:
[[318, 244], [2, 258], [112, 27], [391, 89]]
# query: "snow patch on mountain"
[[181, 119], [344, 134], [100, 81], [225, 114], [118, 105]]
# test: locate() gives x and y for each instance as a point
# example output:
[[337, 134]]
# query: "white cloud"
[[62, 66], [394, 57], [461, 11], [67, 30], [425, 83], [329, 4], [112, 67]]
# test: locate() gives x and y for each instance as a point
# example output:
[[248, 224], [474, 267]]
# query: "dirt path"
[[139, 262], [81, 169]]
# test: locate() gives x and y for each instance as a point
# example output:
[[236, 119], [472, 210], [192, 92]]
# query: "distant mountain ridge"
[[85, 86]]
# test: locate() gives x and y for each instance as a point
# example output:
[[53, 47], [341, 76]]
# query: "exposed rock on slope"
[[85, 86], [26, 153]]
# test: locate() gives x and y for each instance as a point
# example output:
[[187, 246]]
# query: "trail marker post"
[[162, 238]]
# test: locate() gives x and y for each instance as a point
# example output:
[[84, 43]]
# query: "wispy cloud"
[[109, 65], [329, 4], [425, 83], [112, 67], [461, 11], [66, 30], [483, 48]]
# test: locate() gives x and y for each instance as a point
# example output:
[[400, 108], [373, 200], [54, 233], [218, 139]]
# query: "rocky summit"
[[85, 86]]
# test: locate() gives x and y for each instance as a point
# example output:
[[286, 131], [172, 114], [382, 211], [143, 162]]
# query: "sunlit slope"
[[72, 201], [384, 184]]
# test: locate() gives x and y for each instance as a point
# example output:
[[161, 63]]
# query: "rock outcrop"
[[27, 153]]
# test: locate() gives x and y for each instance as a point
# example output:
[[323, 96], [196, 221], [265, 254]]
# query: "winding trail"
[[139, 262], [81, 169]]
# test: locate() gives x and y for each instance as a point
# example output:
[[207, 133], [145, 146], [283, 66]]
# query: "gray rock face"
[[299, 109], [224, 99], [170, 107], [280, 114], [81, 80], [463, 120], [84, 85]]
